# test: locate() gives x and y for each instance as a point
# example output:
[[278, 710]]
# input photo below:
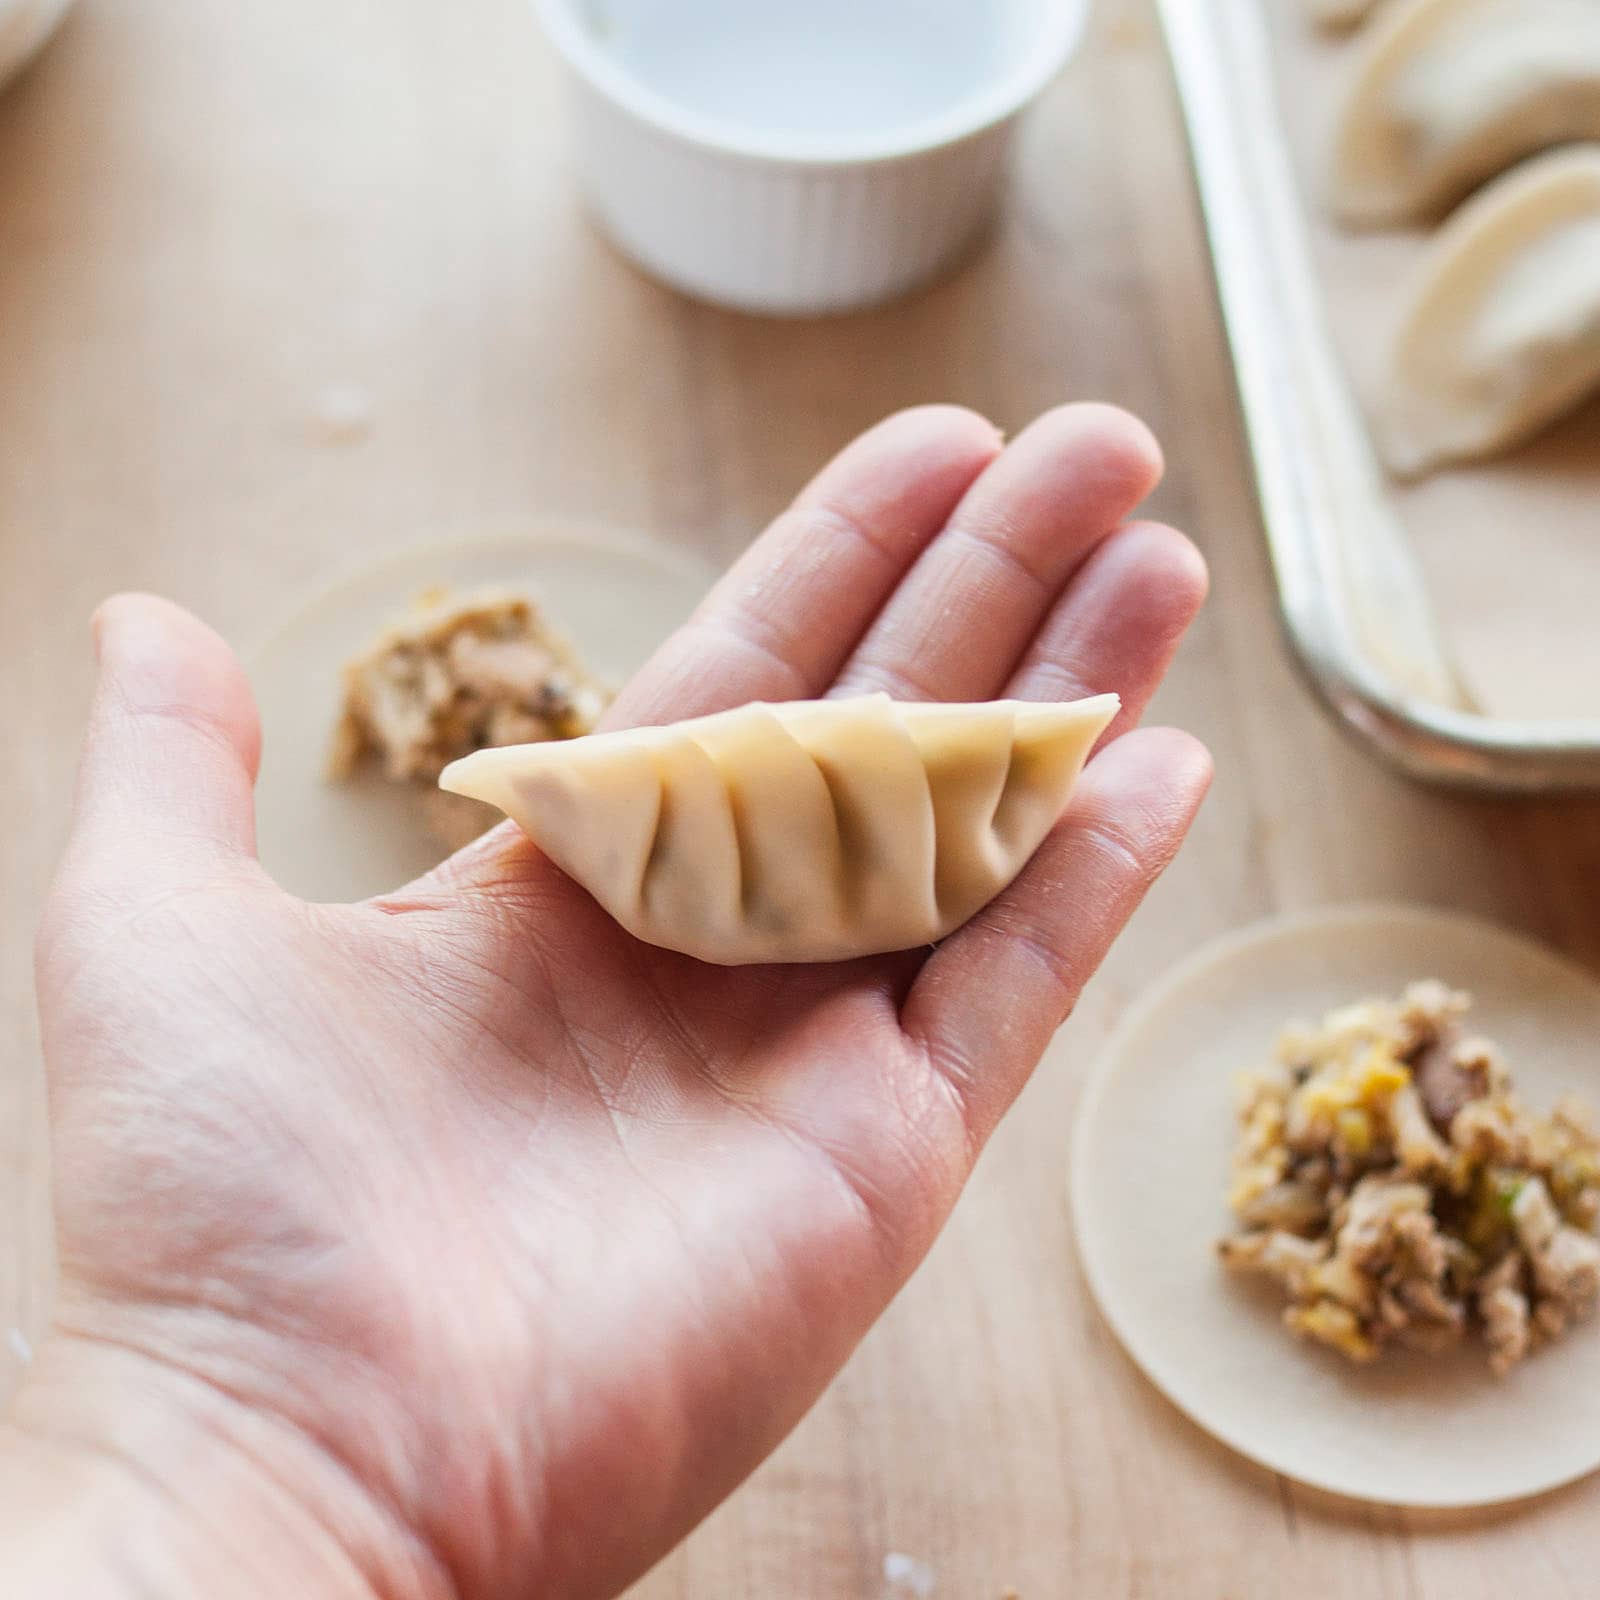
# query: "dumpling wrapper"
[[614, 594], [1502, 333], [1149, 1174], [813, 830], [1445, 94]]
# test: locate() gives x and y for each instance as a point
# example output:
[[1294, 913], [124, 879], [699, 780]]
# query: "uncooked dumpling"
[[815, 830], [1447, 93], [1502, 334]]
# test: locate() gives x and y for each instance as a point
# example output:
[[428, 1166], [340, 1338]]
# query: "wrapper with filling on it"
[[1388, 1177], [454, 676]]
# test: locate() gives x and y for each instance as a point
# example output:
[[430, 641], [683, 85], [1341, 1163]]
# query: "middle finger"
[[962, 618]]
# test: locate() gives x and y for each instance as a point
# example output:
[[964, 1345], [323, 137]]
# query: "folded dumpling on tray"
[[1502, 332], [1445, 94], [815, 830]]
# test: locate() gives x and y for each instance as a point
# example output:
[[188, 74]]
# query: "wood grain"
[[211, 215]]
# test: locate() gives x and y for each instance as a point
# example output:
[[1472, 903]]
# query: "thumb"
[[173, 740]]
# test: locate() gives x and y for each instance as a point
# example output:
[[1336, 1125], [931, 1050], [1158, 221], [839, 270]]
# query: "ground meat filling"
[[1389, 1179], [455, 676]]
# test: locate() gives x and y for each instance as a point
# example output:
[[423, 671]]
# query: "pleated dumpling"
[[1447, 93], [1502, 334], [816, 830]]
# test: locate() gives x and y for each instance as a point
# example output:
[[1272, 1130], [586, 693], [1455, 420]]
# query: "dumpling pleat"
[[966, 754], [785, 828], [692, 877], [883, 811], [1044, 767], [595, 811]]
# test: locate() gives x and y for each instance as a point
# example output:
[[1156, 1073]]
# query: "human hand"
[[456, 1243]]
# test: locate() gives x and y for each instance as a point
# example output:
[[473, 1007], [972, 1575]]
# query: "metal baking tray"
[[1353, 601]]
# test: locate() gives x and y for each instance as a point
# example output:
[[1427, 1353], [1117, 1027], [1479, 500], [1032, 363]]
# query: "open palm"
[[499, 1245]]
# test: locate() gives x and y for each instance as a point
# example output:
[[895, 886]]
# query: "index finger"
[[784, 618], [988, 999]]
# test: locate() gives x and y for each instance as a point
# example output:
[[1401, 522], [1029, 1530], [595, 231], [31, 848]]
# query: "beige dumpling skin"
[[1501, 334], [1445, 94], [815, 830]]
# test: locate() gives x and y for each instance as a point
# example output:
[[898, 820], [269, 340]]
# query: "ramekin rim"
[[1003, 98]]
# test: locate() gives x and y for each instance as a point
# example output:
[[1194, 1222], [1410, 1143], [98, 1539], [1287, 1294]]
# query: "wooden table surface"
[[215, 217]]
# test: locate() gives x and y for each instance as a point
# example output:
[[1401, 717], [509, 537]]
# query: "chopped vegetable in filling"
[[1390, 1180]]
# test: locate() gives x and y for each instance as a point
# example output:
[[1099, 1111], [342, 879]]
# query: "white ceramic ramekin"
[[797, 224], [24, 27]]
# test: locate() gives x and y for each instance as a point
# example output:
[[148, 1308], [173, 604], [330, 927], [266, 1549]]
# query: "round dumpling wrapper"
[[614, 595], [1150, 1159]]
